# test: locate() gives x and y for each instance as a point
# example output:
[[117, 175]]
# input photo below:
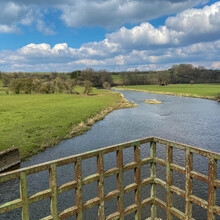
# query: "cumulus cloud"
[[183, 38], [75, 13], [8, 28], [201, 24], [10, 14], [144, 36], [190, 26], [114, 13], [43, 28], [61, 57], [14, 13], [216, 65]]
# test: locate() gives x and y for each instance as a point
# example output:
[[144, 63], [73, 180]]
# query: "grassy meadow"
[[209, 91], [34, 122], [116, 78]]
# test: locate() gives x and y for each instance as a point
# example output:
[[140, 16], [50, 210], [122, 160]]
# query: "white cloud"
[[203, 24], [75, 13], [142, 46], [11, 12], [114, 13], [15, 13], [144, 36], [8, 28], [61, 57], [190, 26], [43, 28], [216, 65]]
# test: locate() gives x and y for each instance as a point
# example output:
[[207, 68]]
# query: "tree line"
[[66, 82], [177, 74], [28, 83]]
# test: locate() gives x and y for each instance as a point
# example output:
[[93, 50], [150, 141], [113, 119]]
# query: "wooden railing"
[[212, 209]]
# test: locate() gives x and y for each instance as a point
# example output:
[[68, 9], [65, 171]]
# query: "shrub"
[[87, 87], [26, 85], [75, 74], [5, 81], [36, 84], [70, 84], [218, 97], [21, 85], [106, 85], [47, 88], [60, 86], [15, 86]]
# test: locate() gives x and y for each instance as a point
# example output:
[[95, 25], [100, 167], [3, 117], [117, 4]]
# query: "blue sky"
[[117, 35]]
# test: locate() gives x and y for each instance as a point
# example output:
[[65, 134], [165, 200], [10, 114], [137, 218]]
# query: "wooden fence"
[[211, 180]]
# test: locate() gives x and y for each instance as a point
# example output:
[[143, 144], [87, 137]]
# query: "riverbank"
[[35, 122], [205, 91]]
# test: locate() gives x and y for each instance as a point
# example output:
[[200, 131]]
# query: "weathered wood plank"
[[9, 158], [153, 175]]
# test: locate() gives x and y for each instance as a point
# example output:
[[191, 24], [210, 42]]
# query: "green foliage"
[[33, 121], [5, 80], [70, 84], [87, 87], [47, 88], [21, 85], [177, 74], [106, 85], [218, 97], [59, 85], [116, 78], [97, 78], [30, 85], [75, 74]]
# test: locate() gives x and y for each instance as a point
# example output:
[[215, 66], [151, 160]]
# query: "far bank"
[[207, 91]]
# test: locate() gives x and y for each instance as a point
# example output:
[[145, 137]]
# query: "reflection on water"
[[187, 120]]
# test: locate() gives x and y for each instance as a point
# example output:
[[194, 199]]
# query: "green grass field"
[[33, 122], [116, 78], [2, 90], [195, 90]]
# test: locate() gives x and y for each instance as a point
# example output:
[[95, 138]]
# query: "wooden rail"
[[212, 209]]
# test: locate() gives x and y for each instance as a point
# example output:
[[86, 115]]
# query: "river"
[[187, 120]]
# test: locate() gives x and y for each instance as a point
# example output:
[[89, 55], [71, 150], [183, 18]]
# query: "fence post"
[[212, 189], [188, 184], [24, 196], [53, 187], [169, 180], [137, 178], [153, 174], [78, 177], [100, 170], [120, 184]]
